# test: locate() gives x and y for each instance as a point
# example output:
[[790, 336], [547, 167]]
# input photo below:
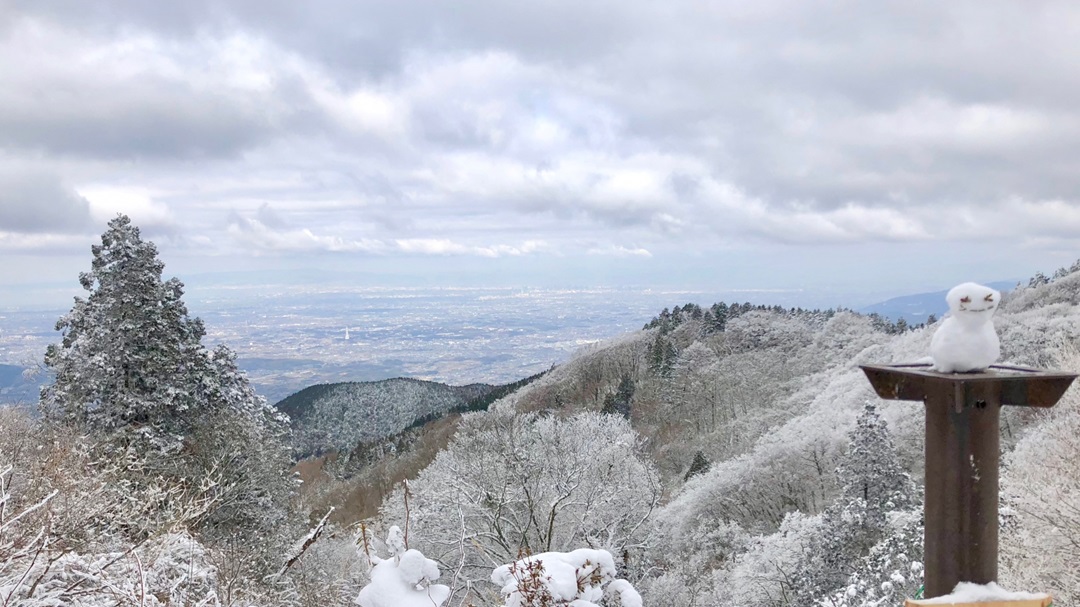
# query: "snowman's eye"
[[965, 299], [988, 298]]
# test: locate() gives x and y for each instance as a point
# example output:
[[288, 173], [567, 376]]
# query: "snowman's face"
[[972, 298]]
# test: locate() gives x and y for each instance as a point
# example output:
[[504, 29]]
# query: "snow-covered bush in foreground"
[[582, 578], [173, 569], [403, 580]]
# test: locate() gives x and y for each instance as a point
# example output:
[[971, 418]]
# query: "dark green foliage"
[[340, 415], [716, 317], [718, 320], [662, 355], [697, 466], [883, 324], [483, 401], [1062, 272], [620, 401], [368, 452], [297, 404], [1038, 280], [625, 392]]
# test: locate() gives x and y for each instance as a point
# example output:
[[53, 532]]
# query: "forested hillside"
[[735, 455], [341, 416]]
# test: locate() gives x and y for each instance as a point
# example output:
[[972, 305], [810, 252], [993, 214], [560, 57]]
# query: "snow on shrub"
[[403, 580], [582, 578]]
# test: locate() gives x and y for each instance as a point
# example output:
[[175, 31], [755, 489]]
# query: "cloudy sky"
[[771, 144]]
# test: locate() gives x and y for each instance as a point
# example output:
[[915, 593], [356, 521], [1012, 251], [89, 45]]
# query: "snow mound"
[[582, 578], [404, 580], [966, 592]]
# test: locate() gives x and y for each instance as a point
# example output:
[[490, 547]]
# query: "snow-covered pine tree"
[[874, 484], [871, 470], [129, 348], [131, 371], [891, 572]]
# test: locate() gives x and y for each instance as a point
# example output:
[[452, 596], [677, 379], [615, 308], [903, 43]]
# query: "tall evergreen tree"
[[131, 370], [620, 401], [873, 485], [871, 470], [129, 351]]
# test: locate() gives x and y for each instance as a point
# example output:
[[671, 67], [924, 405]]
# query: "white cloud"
[[45, 244], [260, 238], [619, 251], [937, 121], [431, 246], [138, 203], [443, 246]]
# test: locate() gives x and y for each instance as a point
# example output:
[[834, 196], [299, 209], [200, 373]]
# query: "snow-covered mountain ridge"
[[342, 415]]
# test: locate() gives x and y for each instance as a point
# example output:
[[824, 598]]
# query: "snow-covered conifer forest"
[[724, 455]]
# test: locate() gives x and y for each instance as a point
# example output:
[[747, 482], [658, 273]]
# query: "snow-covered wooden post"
[[962, 443]]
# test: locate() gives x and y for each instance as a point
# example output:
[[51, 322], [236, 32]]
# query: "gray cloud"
[[68, 92], [34, 201], [153, 125], [436, 127], [266, 216], [369, 38]]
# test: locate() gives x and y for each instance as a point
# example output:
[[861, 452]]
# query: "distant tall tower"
[[346, 333]]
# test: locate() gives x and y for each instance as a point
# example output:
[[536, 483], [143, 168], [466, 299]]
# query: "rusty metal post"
[[961, 508], [962, 451]]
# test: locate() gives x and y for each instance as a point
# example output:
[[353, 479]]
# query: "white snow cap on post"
[[966, 340], [967, 592]]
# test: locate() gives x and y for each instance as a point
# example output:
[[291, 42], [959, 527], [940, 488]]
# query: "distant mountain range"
[[917, 308]]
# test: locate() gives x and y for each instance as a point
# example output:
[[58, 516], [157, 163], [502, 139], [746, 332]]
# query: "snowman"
[[966, 340]]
